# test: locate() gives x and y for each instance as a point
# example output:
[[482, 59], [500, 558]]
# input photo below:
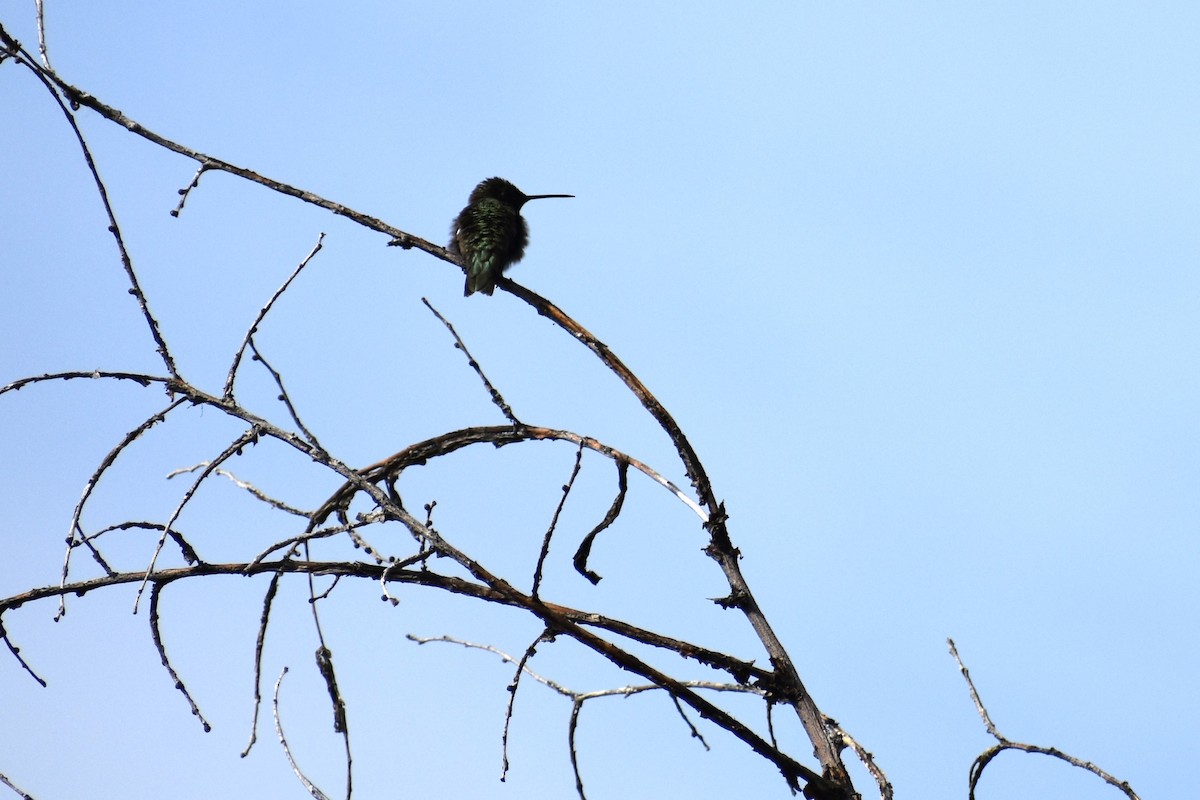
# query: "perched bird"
[[490, 234]]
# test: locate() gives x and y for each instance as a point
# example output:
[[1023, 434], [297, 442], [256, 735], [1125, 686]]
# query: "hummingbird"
[[490, 234]]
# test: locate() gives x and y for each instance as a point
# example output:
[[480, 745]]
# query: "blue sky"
[[919, 283]]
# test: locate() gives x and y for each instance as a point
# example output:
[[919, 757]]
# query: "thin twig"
[[258, 494], [16, 653], [340, 725], [235, 448], [22, 793], [76, 535], [262, 312], [41, 33], [979, 707], [493, 392], [572, 730], [308, 785], [562, 501], [156, 635], [584, 550], [691, 727], [886, 792], [287, 400], [183, 193], [529, 653], [325, 667], [268, 600], [986, 757]]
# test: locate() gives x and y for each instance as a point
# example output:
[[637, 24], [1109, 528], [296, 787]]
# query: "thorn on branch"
[[734, 599]]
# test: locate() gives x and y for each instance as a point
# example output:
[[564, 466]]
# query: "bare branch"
[[166, 662], [544, 636], [241, 484], [340, 725], [23, 794], [76, 536], [498, 436], [94, 374], [986, 757], [309, 785], [866, 757], [79, 97], [562, 501], [183, 193], [720, 547], [189, 553], [16, 653], [262, 313], [585, 547], [268, 600], [493, 392]]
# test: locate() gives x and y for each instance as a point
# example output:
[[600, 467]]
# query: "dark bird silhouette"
[[490, 234]]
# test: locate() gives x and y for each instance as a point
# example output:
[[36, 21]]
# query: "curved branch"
[[496, 435], [826, 745], [985, 758]]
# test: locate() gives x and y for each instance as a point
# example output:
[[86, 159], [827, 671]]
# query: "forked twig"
[[579, 698], [235, 448], [1005, 743], [76, 534]]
